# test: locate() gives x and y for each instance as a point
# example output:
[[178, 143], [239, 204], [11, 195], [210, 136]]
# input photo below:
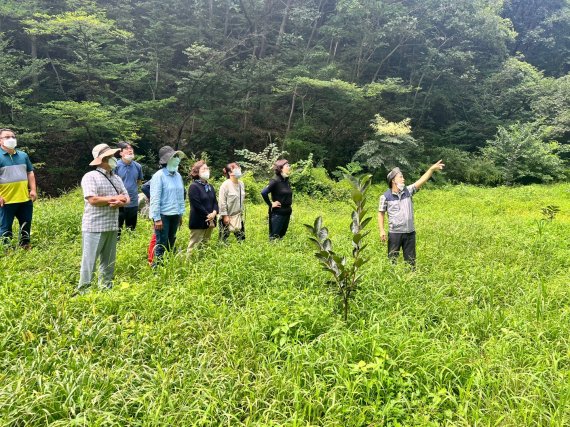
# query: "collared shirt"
[[14, 169], [400, 209], [97, 219], [131, 174], [166, 194]]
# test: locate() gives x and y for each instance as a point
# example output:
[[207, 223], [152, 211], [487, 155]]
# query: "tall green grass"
[[251, 335]]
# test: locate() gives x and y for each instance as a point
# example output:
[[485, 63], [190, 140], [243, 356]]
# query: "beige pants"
[[198, 236]]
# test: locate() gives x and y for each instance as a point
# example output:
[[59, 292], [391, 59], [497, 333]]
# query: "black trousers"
[[278, 225], [406, 241], [225, 232], [128, 217]]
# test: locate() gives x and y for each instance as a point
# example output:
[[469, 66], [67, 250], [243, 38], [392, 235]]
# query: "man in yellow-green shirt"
[[17, 189]]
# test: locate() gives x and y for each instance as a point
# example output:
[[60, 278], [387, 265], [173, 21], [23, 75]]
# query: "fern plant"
[[347, 276]]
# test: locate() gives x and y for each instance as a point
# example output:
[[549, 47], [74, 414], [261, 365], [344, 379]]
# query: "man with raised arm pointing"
[[397, 201]]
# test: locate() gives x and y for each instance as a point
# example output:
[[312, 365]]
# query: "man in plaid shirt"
[[103, 192]]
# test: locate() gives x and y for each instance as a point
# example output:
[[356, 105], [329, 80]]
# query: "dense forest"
[[484, 84]]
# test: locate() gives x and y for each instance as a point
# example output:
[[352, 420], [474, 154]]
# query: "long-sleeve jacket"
[[166, 194], [231, 198], [202, 202]]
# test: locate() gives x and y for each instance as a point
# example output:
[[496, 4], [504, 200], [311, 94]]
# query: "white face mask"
[[129, 157], [112, 162], [205, 175], [237, 173], [172, 164], [10, 143], [401, 186]]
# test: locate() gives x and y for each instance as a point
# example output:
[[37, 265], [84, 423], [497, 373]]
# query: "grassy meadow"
[[251, 334]]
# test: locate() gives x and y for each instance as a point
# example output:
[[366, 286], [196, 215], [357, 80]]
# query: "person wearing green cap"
[[397, 202]]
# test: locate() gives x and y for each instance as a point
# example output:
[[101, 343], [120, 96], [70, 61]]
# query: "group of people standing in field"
[[111, 202]]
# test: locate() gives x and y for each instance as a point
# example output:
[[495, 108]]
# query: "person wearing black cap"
[[166, 200], [397, 201]]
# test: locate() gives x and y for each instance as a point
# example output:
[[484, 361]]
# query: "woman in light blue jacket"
[[166, 201]]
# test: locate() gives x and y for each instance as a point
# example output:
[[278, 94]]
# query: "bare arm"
[[32, 186], [99, 200], [381, 216], [112, 201], [435, 167]]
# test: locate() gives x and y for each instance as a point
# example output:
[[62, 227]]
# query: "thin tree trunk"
[[56, 76], [418, 87], [385, 59], [227, 19], [315, 25], [426, 99], [359, 62], [245, 114], [155, 79], [284, 21], [292, 110], [34, 54], [181, 129]]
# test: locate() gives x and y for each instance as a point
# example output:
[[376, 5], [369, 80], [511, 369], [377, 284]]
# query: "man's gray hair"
[[392, 175]]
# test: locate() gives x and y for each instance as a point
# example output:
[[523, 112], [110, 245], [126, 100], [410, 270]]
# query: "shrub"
[[464, 167], [315, 181], [392, 145], [347, 277], [261, 164], [252, 188], [523, 154]]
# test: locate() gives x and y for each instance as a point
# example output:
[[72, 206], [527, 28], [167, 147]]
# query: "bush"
[[393, 144], [315, 182], [524, 155], [464, 167], [260, 164], [252, 188]]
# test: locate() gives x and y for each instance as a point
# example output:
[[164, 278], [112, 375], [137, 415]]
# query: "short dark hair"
[[278, 166], [229, 167], [124, 144], [195, 171], [6, 130]]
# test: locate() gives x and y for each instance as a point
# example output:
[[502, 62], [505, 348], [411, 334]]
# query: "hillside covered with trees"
[[484, 84]]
